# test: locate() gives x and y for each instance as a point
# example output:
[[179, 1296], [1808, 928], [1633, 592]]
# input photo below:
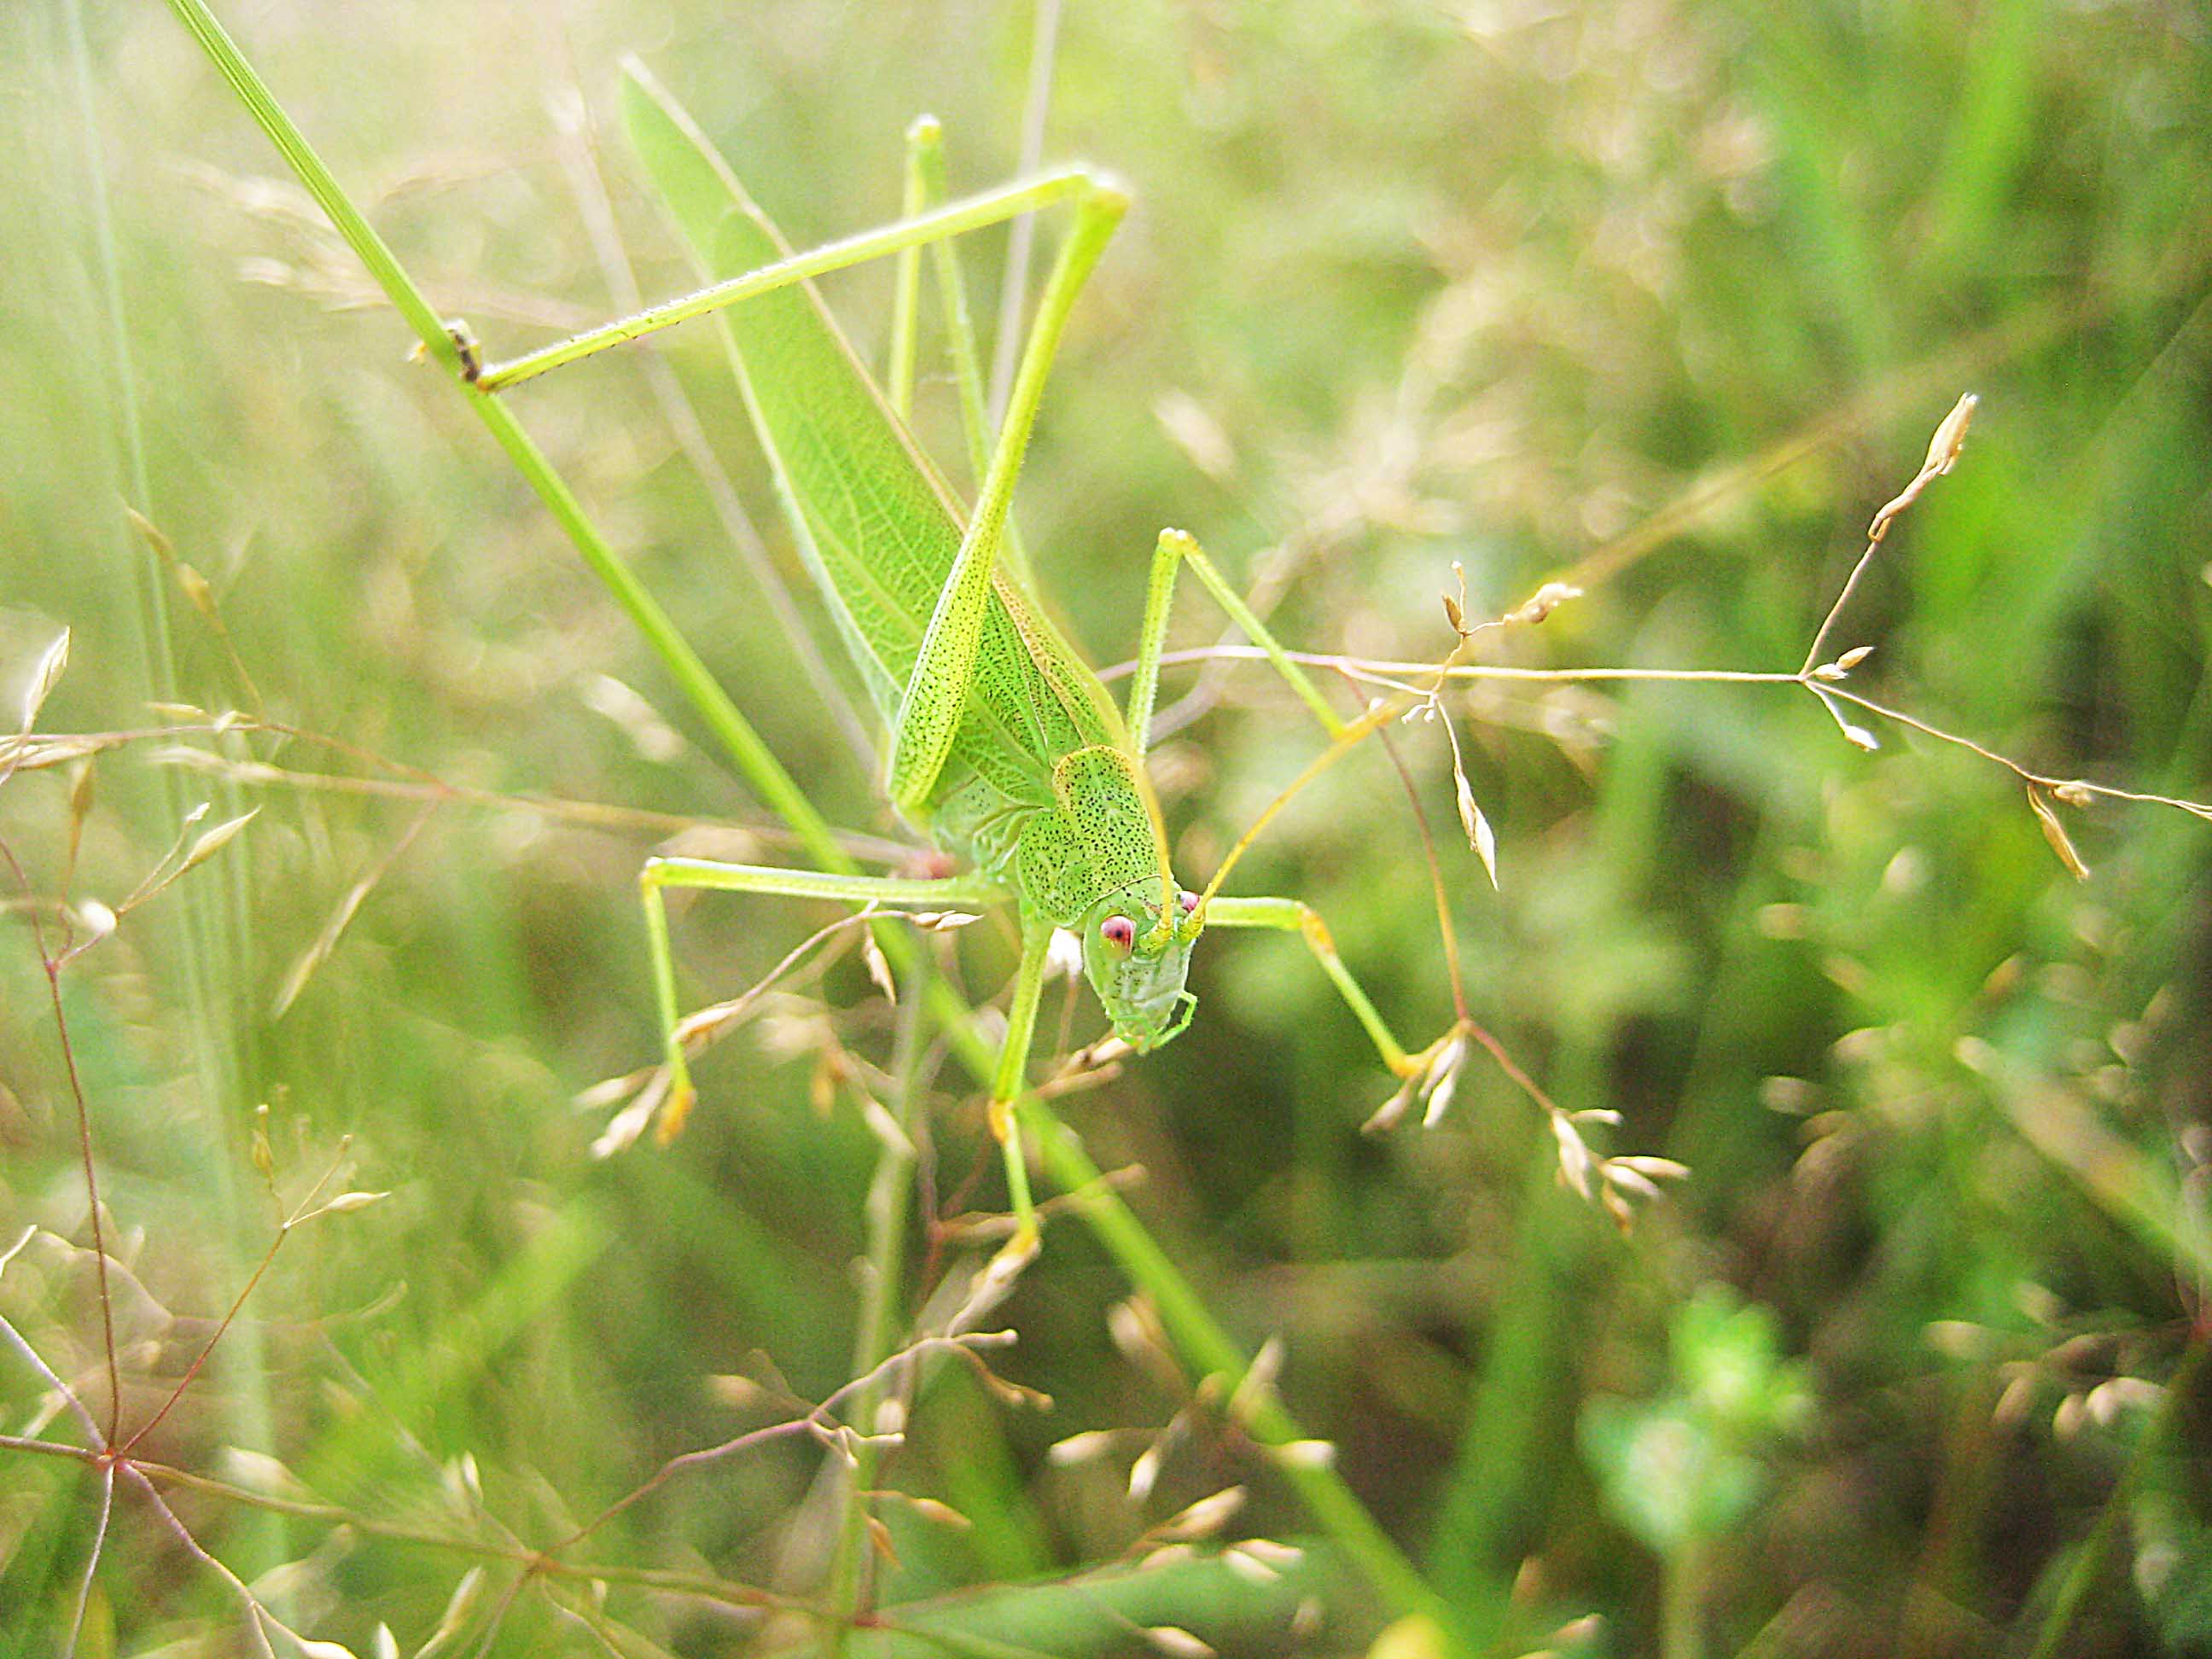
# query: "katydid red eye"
[[1119, 931], [1190, 901]]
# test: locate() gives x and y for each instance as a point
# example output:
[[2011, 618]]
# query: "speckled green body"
[[1003, 746]]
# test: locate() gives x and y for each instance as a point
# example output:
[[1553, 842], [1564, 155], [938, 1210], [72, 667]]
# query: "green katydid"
[[1005, 746]]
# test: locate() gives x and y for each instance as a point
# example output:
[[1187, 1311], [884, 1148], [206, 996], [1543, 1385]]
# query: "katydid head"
[[1136, 949]]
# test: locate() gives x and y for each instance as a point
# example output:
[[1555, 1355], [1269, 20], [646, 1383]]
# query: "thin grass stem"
[[889, 1210], [1013, 290]]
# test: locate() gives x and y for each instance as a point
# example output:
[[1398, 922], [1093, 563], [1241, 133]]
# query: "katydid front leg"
[[1175, 549], [1290, 915], [1011, 1078]]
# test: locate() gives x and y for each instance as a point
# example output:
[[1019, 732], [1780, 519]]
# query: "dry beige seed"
[[1204, 1518], [1176, 1641], [2054, 833], [44, 677], [1081, 1447]]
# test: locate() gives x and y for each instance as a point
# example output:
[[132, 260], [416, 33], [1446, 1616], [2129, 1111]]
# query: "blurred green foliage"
[[1666, 296], [1687, 1467]]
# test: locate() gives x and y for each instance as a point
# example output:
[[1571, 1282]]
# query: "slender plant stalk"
[[2088, 1564], [1013, 290], [889, 1192], [1147, 1265], [1681, 1586]]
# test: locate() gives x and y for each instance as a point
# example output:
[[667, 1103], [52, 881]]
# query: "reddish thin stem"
[[1446, 930], [193, 1370], [1505, 1064], [91, 1191], [676, 1466], [92, 1558], [49, 1448], [52, 968]]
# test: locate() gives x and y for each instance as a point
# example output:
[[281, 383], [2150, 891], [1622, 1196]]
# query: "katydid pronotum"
[[1005, 746]]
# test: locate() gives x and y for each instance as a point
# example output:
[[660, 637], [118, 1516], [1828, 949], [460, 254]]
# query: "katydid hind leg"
[[936, 695], [1291, 915]]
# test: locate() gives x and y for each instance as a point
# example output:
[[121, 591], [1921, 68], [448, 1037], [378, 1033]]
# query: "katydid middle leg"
[[925, 190], [1175, 549], [1290, 915]]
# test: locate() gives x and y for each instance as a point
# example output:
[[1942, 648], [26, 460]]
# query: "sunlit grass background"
[[1667, 297]]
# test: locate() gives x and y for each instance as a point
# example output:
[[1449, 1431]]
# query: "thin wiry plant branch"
[[17, 1443], [91, 1560], [505, 1606], [406, 1438], [1821, 679], [52, 965], [44, 749], [512, 1550], [722, 1592], [307, 1510], [589, 1623], [2065, 788], [1942, 455], [416, 783], [889, 1202], [1857, 737], [259, 1618], [817, 1421], [1446, 930], [68, 1395], [199, 594], [328, 935], [301, 1212], [1371, 667]]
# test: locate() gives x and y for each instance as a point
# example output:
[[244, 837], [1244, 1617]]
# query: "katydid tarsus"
[[1004, 747]]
